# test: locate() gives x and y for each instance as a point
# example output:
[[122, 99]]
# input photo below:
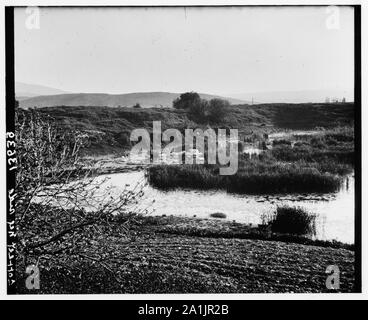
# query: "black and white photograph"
[[183, 150]]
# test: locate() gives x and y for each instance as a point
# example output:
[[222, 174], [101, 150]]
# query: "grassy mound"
[[255, 179], [219, 215], [292, 220]]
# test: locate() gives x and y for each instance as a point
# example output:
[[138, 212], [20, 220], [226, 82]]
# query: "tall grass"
[[252, 180], [291, 181], [314, 164], [334, 146], [281, 142], [291, 220]]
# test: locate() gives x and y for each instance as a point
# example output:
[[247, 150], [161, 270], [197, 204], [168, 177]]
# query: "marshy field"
[[274, 226]]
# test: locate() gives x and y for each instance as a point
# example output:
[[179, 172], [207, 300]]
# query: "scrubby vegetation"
[[291, 220], [79, 251], [105, 125], [202, 110], [333, 145], [310, 165], [281, 142], [219, 215], [257, 178], [62, 221]]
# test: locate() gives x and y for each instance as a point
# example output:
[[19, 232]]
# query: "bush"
[[200, 109], [287, 153], [219, 215], [217, 109], [53, 191], [123, 139], [292, 220], [318, 142], [186, 100], [301, 144], [281, 142]]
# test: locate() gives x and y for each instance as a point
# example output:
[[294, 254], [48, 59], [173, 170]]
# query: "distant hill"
[[302, 96], [145, 99], [26, 90]]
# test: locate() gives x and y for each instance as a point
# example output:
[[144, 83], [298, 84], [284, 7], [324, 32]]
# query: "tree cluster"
[[213, 110]]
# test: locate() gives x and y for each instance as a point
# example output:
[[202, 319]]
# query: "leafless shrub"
[[64, 212]]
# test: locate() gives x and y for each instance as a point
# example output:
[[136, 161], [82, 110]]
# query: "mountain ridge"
[[26, 90], [145, 99]]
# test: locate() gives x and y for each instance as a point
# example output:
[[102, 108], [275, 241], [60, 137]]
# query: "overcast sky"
[[210, 50]]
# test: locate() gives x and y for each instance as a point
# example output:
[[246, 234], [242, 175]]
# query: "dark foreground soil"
[[156, 261]]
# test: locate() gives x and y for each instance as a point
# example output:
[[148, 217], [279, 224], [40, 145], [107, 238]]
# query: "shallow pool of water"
[[335, 211]]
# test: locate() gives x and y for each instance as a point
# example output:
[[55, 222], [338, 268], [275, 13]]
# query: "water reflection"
[[335, 211]]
